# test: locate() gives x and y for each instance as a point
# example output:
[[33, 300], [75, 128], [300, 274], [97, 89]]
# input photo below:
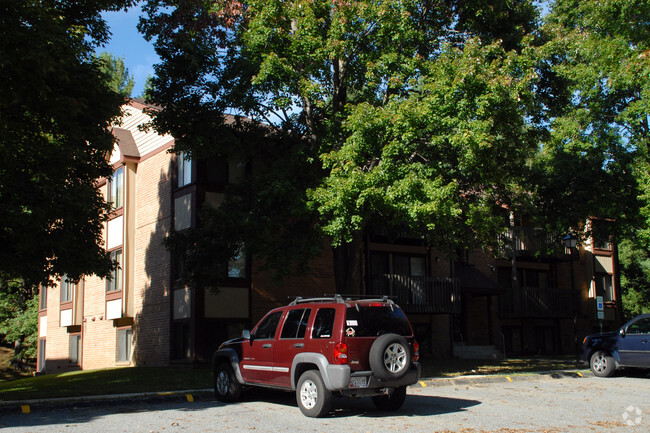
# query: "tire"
[[226, 386], [391, 402], [602, 364], [390, 357], [314, 400]]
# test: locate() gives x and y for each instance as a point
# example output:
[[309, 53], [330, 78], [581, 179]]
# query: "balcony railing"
[[419, 294], [535, 302], [527, 240]]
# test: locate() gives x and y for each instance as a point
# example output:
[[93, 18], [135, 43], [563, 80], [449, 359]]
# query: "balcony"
[[419, 294], [535, 302], [527, 241]]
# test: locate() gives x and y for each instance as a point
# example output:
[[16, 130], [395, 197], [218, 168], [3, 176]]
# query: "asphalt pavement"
[[190, 395]]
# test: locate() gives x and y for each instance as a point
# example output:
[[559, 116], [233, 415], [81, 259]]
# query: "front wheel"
[[226, 386], [602, 364], [314, 400], [392, 401]]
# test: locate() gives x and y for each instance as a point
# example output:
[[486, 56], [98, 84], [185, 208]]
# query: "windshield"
[[373, 321]]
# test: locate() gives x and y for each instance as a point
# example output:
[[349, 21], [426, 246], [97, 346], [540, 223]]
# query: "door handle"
[[267, 346], [645, 340], [299, 345]]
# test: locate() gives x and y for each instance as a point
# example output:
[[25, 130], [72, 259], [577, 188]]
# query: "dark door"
[[290, 343], [257, 362], [634, 344]]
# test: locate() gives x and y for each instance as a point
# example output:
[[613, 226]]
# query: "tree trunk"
[[348, 266]]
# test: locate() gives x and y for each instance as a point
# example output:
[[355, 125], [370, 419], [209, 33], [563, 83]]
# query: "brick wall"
[[151, 332], [267, 294]]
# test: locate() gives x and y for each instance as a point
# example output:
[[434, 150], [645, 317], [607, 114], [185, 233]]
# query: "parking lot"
[[509, 405]]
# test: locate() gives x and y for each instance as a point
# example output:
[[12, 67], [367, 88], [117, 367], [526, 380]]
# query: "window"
[[641, 326], [266, 329], [41, 354], [124, 337], [116, 189], [323, 323], [75, 349], [184, 170], [217, 171], [373, 321], [237, 265], [115, 282], [604, 287], [295, 324], [525, 278], [67, 289], [181, 340], [397, 264], [42, 300], [183, 212]]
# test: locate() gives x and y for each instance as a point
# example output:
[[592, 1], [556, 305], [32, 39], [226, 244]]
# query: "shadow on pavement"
[[80, 413]]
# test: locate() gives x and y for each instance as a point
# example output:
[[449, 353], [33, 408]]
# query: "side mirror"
[[246, 334], [622, 332]]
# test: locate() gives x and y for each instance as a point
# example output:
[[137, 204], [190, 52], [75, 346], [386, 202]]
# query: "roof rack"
[[342, 298]]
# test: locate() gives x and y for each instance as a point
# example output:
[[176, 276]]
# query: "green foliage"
[[19, 317], [118, 77], [440, 159], [388, 111], [597, 51], [635, 278], [56, 110]]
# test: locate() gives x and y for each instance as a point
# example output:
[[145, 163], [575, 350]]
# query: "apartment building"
[[468, 306]]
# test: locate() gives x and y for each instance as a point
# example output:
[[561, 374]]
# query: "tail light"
[[416, 350], [341, 354]]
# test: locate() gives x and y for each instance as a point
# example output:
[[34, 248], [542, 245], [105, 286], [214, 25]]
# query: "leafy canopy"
[[406, 113], [119, 79], [55, 113]]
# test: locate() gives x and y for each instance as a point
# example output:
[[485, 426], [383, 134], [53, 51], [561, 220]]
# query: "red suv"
[[322, 346]]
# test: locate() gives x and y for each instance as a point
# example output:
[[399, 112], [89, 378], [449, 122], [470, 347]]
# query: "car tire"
[[390, 357], [226, 386], [314, 399], [602, 364], [392, 401]]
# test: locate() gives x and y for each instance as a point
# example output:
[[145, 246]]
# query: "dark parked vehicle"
[[627, 347], [322, 347]]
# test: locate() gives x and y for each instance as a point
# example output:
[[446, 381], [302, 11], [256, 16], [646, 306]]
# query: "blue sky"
[[138, 54]]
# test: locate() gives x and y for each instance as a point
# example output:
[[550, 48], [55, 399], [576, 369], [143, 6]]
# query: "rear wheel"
[[314, 400], [392, 401], [226, 386], [602, 364]]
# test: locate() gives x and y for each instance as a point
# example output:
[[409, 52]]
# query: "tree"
[[595, 161], [19, 317], [55, 114], [635, 280], [119, 79], [371, 120]]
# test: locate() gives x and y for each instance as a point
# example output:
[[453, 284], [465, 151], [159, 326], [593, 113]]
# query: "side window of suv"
[[295, 324], [323, 323], [266, 329], [641, 326]]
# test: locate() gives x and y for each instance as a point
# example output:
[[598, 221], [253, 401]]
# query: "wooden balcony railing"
[[419, 294], [526, 240], [535, 302]]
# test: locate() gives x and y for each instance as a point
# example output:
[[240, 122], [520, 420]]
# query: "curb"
[[26, 406], [486, 379]]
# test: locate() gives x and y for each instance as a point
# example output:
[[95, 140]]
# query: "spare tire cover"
[[390, 357]]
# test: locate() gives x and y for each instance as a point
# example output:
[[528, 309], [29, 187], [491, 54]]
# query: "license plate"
[[358, 382]]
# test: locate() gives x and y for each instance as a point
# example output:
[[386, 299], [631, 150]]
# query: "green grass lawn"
[[106, 381], [159, 379]]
